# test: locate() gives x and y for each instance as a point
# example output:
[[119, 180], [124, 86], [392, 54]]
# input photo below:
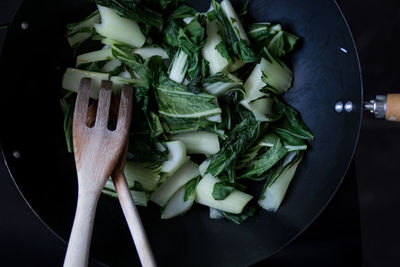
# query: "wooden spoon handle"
[[133, 219], [393, 107], [79, 242]]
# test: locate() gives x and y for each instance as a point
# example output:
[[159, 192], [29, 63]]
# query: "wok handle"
[[132, 216], [393, 107], [385, 107]]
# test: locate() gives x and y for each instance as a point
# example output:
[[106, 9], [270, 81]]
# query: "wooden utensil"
[[125, 198], [96, 151]]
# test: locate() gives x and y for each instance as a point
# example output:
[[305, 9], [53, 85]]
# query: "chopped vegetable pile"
[[208, 116]]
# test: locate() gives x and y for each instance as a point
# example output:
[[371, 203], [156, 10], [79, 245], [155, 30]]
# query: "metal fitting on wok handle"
[[385, 107]]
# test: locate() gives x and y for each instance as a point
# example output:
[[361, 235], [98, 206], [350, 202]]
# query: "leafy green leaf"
[[273, 174], [167, 4], [265, 161], [180, 125], [277, 41], [244, 51], [134, 10], [184, 11], [247, 212], [239, 47], [221, 82], [222, 48], [238, 141], [175, 101], [291, 123], [171, 33], [142, 149], [190, 188], [243, 12], [222, 190], [291, 142]]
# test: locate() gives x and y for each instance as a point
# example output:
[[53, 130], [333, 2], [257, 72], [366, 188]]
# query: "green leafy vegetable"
[[238, 141], [134, 10], [247, 212], [175, 101], [190, 188], [292, 124], [271, 36], [222, 190], [81, 31], [68, 110], [221, 82], [208, 88], [240, 46], [265, 161]]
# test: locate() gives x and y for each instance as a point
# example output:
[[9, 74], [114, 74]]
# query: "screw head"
[[339, 107], [349, 106], [24, 25], [16, 154]]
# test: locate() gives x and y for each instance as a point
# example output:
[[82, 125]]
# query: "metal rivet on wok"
[[24, 25], [16, 154], [339, 107], [348, 106]]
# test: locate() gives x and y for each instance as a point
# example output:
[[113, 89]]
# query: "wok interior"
[[32, 64]]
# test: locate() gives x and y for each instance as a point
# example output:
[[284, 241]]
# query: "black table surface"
[[358, 226]]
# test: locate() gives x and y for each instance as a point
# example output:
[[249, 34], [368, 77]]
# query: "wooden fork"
[[96, 151], [129, 209]]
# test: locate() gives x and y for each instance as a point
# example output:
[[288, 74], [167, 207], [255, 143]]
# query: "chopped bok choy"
[[121, 29], [199, 142], [208, 117], [233, 203], [184, 174]]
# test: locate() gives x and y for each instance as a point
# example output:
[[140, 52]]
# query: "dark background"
[[359, 227]]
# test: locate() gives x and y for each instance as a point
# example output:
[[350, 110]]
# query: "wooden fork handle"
[[79, 242], [133, 219]]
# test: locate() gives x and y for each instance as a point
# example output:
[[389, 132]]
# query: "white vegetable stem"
[[217, 62], [91, 20], [176, 156], [72, 78], [147, 52], [234, 203], [119, 28], [215, 214], [204, 166], [179, 67], [273, 195], [184, 174], [135, 171], [176, 205], [254, 83], [199, 142], [259, 107], [99, 55], [118, 81], [111, 65], [276, 73], [78, 37], [255, 100]]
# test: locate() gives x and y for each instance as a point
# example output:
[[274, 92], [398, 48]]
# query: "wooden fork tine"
[[125, 108], [82, 102], [103, 106]]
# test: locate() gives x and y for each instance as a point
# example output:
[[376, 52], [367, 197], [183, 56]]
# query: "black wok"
[[326, 70]]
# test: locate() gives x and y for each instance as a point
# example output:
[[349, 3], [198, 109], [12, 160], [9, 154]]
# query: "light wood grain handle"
[[393, 107], [79, 242], [133, 219]]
